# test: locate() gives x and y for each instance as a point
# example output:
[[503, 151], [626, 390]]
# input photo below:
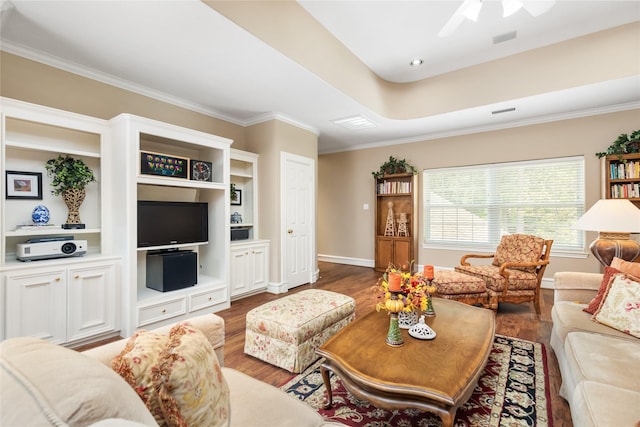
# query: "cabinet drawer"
[[162, 310], [207, 298]]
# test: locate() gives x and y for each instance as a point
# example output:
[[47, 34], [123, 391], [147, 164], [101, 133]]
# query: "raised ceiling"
[[226, 63]]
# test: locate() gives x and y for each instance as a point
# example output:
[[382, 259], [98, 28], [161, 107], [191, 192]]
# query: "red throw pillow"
[[606, 278]]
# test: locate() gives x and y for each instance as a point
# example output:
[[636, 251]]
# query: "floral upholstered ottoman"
[[286, 332], [451, 284]]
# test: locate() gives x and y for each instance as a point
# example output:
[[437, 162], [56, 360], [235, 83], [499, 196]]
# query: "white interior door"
[[298, 214]]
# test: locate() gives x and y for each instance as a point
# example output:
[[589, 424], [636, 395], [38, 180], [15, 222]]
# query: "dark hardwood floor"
[[516, 320]]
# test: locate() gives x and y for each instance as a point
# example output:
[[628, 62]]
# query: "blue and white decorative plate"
[[40, 215]]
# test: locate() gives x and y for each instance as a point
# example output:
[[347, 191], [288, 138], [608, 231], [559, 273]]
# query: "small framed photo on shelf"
[[237, 201], [201, 171], [24, 185], [163, 165]]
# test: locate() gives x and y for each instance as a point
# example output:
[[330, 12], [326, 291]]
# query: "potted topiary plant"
[[70, 177], [393, 166], [624, 144]]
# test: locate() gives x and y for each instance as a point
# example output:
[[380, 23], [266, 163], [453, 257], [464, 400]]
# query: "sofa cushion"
[[603, 359], [632, 268], [276, 408], [620, 307], [568, 317], [606, 278], [177, 376], [603, 405], [46, 384], [519, 248]]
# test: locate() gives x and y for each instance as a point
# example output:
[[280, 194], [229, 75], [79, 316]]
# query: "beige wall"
[[41, 84], [345, 229], [269, 139]]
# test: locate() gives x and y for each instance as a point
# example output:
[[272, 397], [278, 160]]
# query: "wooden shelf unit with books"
[[396, 241], [622, 177]]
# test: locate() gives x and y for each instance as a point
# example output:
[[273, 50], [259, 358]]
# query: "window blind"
[[476, 205]]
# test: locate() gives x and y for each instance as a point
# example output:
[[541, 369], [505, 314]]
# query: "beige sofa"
[[44, 384], [600, 366]]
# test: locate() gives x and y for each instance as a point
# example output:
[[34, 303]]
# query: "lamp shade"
[[610, 215]]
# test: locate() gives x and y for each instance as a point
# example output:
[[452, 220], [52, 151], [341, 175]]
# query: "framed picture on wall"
[[238, 199], [24, 185]]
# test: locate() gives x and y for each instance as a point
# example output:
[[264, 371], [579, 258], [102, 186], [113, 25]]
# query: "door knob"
[[290, 231]]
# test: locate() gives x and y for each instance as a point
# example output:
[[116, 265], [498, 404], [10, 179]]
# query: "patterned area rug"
[[512, 391]]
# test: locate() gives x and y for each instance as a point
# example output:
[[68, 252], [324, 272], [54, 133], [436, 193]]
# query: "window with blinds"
[[476, 205]]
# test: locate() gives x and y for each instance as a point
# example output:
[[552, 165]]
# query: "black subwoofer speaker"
[[169, 271]]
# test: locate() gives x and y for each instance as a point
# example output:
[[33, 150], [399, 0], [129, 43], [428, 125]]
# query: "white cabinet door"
[[260, 266], [249, 267], [36, 305], [239, 270], [92, 301]]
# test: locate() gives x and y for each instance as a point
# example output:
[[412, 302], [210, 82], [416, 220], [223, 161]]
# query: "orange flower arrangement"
[[415, 290]]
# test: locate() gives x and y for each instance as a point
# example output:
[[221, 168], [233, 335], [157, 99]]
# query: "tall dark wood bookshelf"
[[399, 248]]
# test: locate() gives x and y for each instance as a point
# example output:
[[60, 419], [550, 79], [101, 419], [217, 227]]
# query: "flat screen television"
[[172, 223]]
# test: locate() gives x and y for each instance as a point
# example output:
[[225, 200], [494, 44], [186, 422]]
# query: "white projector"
[[50, 249]]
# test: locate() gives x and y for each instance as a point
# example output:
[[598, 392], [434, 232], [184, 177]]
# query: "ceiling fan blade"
[[456, 19], [538, 7]]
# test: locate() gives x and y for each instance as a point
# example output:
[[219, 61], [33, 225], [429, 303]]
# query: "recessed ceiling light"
[[416, 62]]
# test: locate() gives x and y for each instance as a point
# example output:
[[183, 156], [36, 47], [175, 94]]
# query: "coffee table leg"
[[327, 384]]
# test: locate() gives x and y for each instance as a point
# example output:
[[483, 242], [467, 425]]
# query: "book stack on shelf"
[[394, 187]]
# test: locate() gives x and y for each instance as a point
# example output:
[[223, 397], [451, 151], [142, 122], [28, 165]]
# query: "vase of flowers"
[[414, 291]]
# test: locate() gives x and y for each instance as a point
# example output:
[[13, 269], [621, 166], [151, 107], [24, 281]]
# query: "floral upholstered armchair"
[[516, 271]]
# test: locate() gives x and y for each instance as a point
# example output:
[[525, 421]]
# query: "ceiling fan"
[[470, 9]]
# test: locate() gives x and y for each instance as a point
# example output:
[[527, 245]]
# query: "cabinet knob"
[[77, 276], [57, 279], [290, 231], [164, 310], [210, 298]]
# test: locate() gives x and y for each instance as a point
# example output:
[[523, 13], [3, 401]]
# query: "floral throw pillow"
[[136, 363], [191, 387], [620, 307], [606, 278], [177, 376]]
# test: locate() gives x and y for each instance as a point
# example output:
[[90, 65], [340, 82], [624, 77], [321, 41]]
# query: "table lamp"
[[614, 220]]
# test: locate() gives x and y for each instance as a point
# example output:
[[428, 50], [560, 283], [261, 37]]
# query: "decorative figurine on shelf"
[[390, 229], [40, 215], [236, 218], [402, 225]]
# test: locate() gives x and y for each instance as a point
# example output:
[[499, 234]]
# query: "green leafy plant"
[[68, 173], [624, 144], [393, 166]]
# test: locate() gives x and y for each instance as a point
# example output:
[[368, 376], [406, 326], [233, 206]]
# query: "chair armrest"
[[576, 286], [463, 260], [503, 267]]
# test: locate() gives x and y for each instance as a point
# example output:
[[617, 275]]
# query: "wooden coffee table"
[[435, 375]]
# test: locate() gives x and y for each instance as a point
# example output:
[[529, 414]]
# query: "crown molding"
[[90, 73], [265, 117]]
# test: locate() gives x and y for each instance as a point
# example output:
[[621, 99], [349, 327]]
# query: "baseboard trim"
[[344, 260]]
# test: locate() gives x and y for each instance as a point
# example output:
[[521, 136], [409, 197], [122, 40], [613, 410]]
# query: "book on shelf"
[[394, 187], [625, 191], [37, 227], [624, 170]]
